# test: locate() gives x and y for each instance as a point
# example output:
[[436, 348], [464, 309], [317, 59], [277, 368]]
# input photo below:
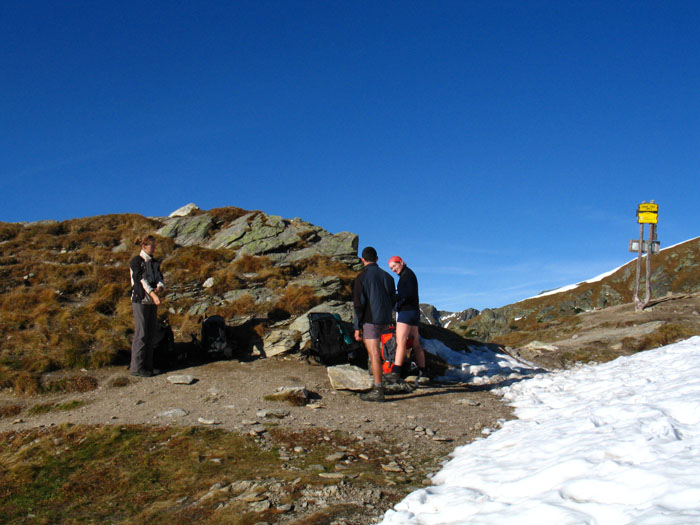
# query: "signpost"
[[647, 213]]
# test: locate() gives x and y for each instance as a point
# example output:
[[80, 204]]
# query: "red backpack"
[[388, 349]]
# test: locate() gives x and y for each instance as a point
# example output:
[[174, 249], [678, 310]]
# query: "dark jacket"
[[407, 291], [373, 296], [145, 276]]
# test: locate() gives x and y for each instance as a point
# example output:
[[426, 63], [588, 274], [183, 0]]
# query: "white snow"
[[601, 444], [479, 366]]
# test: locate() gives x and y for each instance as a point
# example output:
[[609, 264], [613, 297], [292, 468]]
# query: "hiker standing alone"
[[146, 284], [407, 318], [372, 298]]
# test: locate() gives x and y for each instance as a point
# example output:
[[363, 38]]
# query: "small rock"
[[181, 379], [287, 507], [173, 412], [349, 377], [208, 283], [336, 475], [252, 497], [338, 456], [392, 467], [468, 402], [207, 421], [294, 395], [275, 413], [249, 422]]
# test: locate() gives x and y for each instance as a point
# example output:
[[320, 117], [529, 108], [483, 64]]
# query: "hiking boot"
[[392, 377], [400, 387], [376, 394]]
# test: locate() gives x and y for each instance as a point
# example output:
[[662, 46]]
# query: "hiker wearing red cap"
[[407, 318]]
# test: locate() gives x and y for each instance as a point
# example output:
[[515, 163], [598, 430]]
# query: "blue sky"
[[500, 148]]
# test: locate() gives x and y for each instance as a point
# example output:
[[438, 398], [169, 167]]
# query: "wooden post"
[[647, 213], [650, 249], [637, 303]]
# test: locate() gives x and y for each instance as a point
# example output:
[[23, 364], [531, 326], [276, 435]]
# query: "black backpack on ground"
[[163, 345], [332, 342], [215, 341]]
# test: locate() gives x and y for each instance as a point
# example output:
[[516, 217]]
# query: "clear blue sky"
[[500, 148]]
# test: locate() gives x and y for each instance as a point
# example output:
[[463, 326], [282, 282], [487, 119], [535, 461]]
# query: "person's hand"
[[358, 335], [156, 299]]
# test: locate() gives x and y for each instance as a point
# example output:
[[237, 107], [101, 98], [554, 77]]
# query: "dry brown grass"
[[665, 335], [327, 267], [64, 290], [194, 264], [226, 215], [10, 410], [296, 300]]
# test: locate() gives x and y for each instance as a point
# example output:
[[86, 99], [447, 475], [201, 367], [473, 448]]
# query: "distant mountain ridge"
[[432, 316], [675, 270]]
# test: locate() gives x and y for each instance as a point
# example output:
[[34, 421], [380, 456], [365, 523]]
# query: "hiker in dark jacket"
[[146, 284], [407, 318], [372, 298]]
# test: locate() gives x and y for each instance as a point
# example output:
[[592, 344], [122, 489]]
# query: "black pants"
[[145, 317]]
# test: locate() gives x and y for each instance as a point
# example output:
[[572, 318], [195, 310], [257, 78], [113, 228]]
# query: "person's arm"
[[358, 302], [161, 281]]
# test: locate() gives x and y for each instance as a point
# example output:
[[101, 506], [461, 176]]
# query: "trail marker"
[[647, 213]]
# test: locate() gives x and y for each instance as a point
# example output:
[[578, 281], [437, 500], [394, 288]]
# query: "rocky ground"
[[409, 436], [604, 334]]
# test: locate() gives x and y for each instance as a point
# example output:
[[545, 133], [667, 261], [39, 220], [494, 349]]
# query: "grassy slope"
[[64, 297]]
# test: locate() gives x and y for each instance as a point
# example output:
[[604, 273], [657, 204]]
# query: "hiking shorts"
[[373, 331], [409, 317]]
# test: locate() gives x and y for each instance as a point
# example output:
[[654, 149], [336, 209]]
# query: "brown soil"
[[428, 423]]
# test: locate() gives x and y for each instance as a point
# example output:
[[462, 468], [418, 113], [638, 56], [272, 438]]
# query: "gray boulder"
[[185, 210], [188, 231], [281, 342], [349, 377]]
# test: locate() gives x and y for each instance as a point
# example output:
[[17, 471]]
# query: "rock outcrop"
[[255, 233]]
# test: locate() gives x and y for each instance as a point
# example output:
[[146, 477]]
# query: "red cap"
[[396, 259]]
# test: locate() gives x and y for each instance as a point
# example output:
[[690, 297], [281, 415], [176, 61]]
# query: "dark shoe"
[[400, 387], [392, 377], [155, 372], [376, 394], [144, 373]]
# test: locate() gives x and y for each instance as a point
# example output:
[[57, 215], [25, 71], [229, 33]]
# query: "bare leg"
[[372, 346], [417, 348], [403, 330]]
